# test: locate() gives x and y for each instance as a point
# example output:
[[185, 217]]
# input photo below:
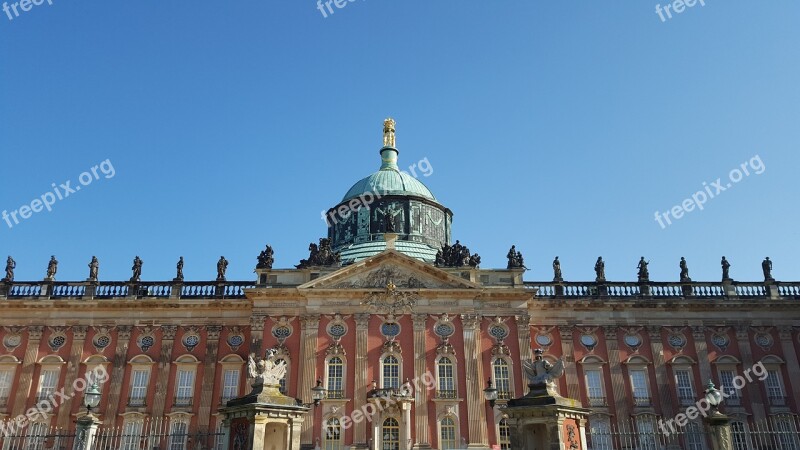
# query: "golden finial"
[[388, 133]]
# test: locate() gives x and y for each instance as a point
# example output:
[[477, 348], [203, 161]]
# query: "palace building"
[[386, 298]]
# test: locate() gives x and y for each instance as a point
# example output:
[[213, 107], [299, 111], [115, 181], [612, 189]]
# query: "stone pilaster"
[[118, 365], [476, 404], [309, 332], [662, 389], [257, 322], [567, 352], [26, 371], [361, 381], [164, 365], [422, 437], [753, 389], [792, 365], [701, 347], [209, 376], [73, 364], [524, 336], [619, 394]]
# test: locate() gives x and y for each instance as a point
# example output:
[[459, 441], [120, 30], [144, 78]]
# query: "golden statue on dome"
[[388, 133]]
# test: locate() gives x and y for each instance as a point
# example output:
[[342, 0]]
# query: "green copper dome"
[[389, 181]]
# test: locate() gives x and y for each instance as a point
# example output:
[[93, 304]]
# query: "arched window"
[[502, 378], [333, 434], [446, 372], [391, 372], [600, 434], [8, 368], [335, 378], [178, 434], [132, 430], [390, 434], [504, 435], [447, 434]]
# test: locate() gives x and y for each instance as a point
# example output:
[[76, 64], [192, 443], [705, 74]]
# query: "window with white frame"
[[775, 388], [48, 382], [390, 434], [641, 394], [447, 434], [726, 377], [6, 380], [445, 371], [504, 435], [333, 434], [390, 372], [502, 378], [140, 379], [184, 387], [36, 436], [594, 387], [600, 433], [219, 439], [646, 431], [335, 376], [683, 382], [694, 437], [230, 384], [178, 434], [739, 436], [132, 433]]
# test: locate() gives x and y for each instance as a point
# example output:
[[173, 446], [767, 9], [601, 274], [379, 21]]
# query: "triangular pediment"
[[390, 266]]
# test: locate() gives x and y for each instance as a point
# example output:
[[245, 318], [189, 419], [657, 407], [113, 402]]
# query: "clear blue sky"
[[561, 127]]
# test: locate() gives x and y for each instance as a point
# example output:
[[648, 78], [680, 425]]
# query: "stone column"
[[405, 433], [753, 389], [619, 394], [476, 404], [567, 352], [26, 371], [209, 376], [662, 389], [721, 434], [361, 381], [164, 365], [792, 365], [421, 394], [118, 365], [74, 363], [308, 370], [701, 347], [85, 432], [525, 352]]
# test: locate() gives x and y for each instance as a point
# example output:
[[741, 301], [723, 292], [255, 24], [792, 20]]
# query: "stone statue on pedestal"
[[541, 374], [94, 268], [137, 270], [52, 268], [766, 266], [10, 266], [684, 270], [726, 267], [600, 270], [179, 267], [222, 267]]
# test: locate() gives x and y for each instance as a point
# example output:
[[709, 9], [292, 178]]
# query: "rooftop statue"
[[320, 256], [766, 266], [94, 267], [684, 270], [726, 267], [388, 133], [600, 270], [456, 255], [644, 272], [266, 259], [10, 266], [137, 269], [179, 267], [515, 259], [557, 270], [222, 267], [52, 268]]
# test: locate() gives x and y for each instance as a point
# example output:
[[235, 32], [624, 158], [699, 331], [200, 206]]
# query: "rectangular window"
[[219, 438], [641, 396], [36, 436], [594, 387], [391, 372], [139, 381], [335, 377], [726, 379], [48, 383], [6, 378], [178, 435], [775, 388], [185, 387], [447, 381], [694, 437], [131, 435], [683, 381], [502, 379], [600, 434], [505, 435], [230, 384]]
